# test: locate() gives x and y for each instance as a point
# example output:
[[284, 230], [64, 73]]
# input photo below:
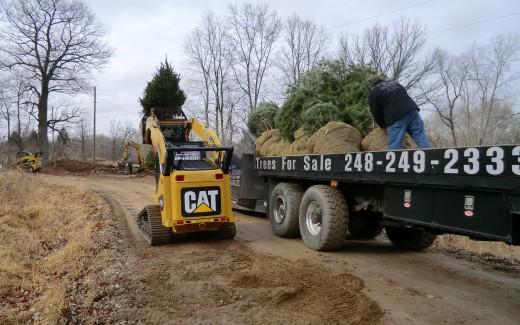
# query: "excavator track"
[[150, 226]]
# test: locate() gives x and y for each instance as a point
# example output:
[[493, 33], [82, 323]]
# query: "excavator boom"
[[138, 150]]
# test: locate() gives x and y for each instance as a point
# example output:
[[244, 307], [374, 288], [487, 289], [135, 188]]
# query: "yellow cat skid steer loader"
[[193, 192], [28, 162]]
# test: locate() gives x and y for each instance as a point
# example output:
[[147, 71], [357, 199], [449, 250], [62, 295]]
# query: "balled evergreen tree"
[[262, 118], [163, 91], [331, 91]]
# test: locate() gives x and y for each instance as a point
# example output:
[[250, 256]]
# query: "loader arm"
[[205, 133], [155, 137]]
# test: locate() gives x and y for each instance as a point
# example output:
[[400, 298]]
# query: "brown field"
[[55, 243]]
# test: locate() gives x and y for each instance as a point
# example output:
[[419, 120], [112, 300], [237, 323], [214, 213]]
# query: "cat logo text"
[[200, 201]]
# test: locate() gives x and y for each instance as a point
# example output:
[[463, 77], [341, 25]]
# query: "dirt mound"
[[248, 287], [497, 255], [378, 141], [76, 167], [335, 137]]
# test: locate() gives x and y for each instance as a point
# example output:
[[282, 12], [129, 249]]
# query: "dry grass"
[[48, 244]]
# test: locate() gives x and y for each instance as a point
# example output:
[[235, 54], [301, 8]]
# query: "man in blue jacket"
[[394, 110]]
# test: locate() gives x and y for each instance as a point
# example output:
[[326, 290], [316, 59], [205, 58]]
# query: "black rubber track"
[[150, 226]]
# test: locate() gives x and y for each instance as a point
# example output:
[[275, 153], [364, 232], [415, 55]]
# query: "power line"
[[476, 23], [384, 14]]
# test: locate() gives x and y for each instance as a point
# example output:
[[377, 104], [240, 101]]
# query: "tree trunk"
[[453, 135], [82, 144], [19, 142], [8, 116], [206, 100], [113, 149], [43, 141]]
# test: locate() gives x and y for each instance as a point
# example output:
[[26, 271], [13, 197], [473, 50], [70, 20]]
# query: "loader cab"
[[177, 134]]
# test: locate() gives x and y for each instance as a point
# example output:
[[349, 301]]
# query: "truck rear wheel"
[[364, 224], [284, 205], [410, 238], [323, 218]]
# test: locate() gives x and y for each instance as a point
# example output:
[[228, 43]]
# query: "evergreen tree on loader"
[[163, 91]]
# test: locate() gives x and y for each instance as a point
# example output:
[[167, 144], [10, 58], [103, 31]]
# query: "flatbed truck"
[[414, 195]]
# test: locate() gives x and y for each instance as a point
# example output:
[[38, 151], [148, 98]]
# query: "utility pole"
[[94, 158]]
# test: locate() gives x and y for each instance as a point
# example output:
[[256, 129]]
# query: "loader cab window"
[[21, 154], [190, 159], [174, 134]]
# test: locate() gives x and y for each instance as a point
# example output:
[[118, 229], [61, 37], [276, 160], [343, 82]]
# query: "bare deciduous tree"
[[198, 54], [209, 48], [23, 102], [304, 44], [396, 51], [255, 30], [83, 132], [115, 133], [5, 106], [128, 130], [471, 93], [56, 42], [446, 90], [490, 74], [218, 43]]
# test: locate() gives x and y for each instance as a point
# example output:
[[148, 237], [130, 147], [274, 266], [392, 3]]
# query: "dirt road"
[[260, 278]]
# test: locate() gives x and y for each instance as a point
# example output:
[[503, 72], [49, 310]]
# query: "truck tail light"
[[219, 176]]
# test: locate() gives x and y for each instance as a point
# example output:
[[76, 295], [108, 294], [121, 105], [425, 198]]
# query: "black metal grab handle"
[[195, 148]]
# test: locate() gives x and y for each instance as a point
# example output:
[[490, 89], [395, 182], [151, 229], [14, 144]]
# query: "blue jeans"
[[411, 123]]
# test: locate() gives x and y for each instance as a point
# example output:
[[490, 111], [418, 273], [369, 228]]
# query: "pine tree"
[[163, 91]]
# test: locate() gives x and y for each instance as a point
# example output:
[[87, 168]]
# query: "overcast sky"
[[142, 33]]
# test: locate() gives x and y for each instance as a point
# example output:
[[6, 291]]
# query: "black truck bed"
[[472, 191]]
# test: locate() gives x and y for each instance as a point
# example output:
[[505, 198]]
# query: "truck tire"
[[410, 238], [284, 205], [323, 218], [364, 225]]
